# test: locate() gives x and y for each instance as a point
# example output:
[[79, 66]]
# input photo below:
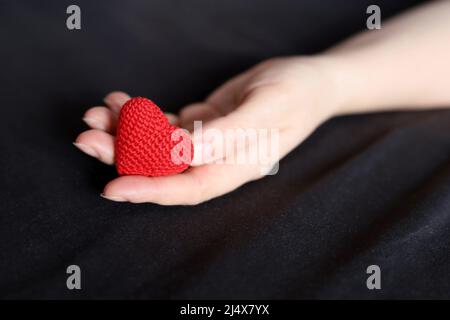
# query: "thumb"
[[215, 139]]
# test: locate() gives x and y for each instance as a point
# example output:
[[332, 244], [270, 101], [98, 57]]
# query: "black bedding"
[[363, 190]]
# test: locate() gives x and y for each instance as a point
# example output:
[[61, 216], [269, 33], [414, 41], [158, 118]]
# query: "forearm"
[[406, 64]]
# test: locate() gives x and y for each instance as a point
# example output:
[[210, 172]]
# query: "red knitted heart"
[[147, 144]]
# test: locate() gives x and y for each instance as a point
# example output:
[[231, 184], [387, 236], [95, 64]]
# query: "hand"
[[294, 95]]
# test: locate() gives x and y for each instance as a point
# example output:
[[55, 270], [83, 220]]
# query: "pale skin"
[[405, 65]]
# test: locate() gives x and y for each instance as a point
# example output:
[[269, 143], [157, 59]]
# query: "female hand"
[[293, 95]]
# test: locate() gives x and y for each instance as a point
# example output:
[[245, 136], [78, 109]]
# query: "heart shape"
[[147, 144]]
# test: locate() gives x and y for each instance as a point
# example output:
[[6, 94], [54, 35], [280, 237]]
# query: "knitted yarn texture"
[[147, 144]]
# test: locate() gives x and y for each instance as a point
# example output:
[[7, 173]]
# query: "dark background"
[[362, 190]]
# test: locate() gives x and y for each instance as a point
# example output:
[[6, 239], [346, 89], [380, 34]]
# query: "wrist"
[[334, 89], [328, 76]]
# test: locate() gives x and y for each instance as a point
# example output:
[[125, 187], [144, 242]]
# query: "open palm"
[[285, 94]]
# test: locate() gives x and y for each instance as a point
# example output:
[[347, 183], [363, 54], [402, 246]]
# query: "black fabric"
[[362, 190]]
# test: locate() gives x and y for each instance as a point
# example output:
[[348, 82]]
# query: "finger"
[[173, 119], [189, 188], [115, 100], [101, 118], [105, 119], [227, 96], [256, 111], [197, 112], [220, 102], [210, 139], [97, 144], [214, 136]]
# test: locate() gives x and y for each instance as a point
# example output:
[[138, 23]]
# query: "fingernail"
[[107, 100], [115, 103], [173, 119], [94, 123], [86, 149], [113, 198]]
